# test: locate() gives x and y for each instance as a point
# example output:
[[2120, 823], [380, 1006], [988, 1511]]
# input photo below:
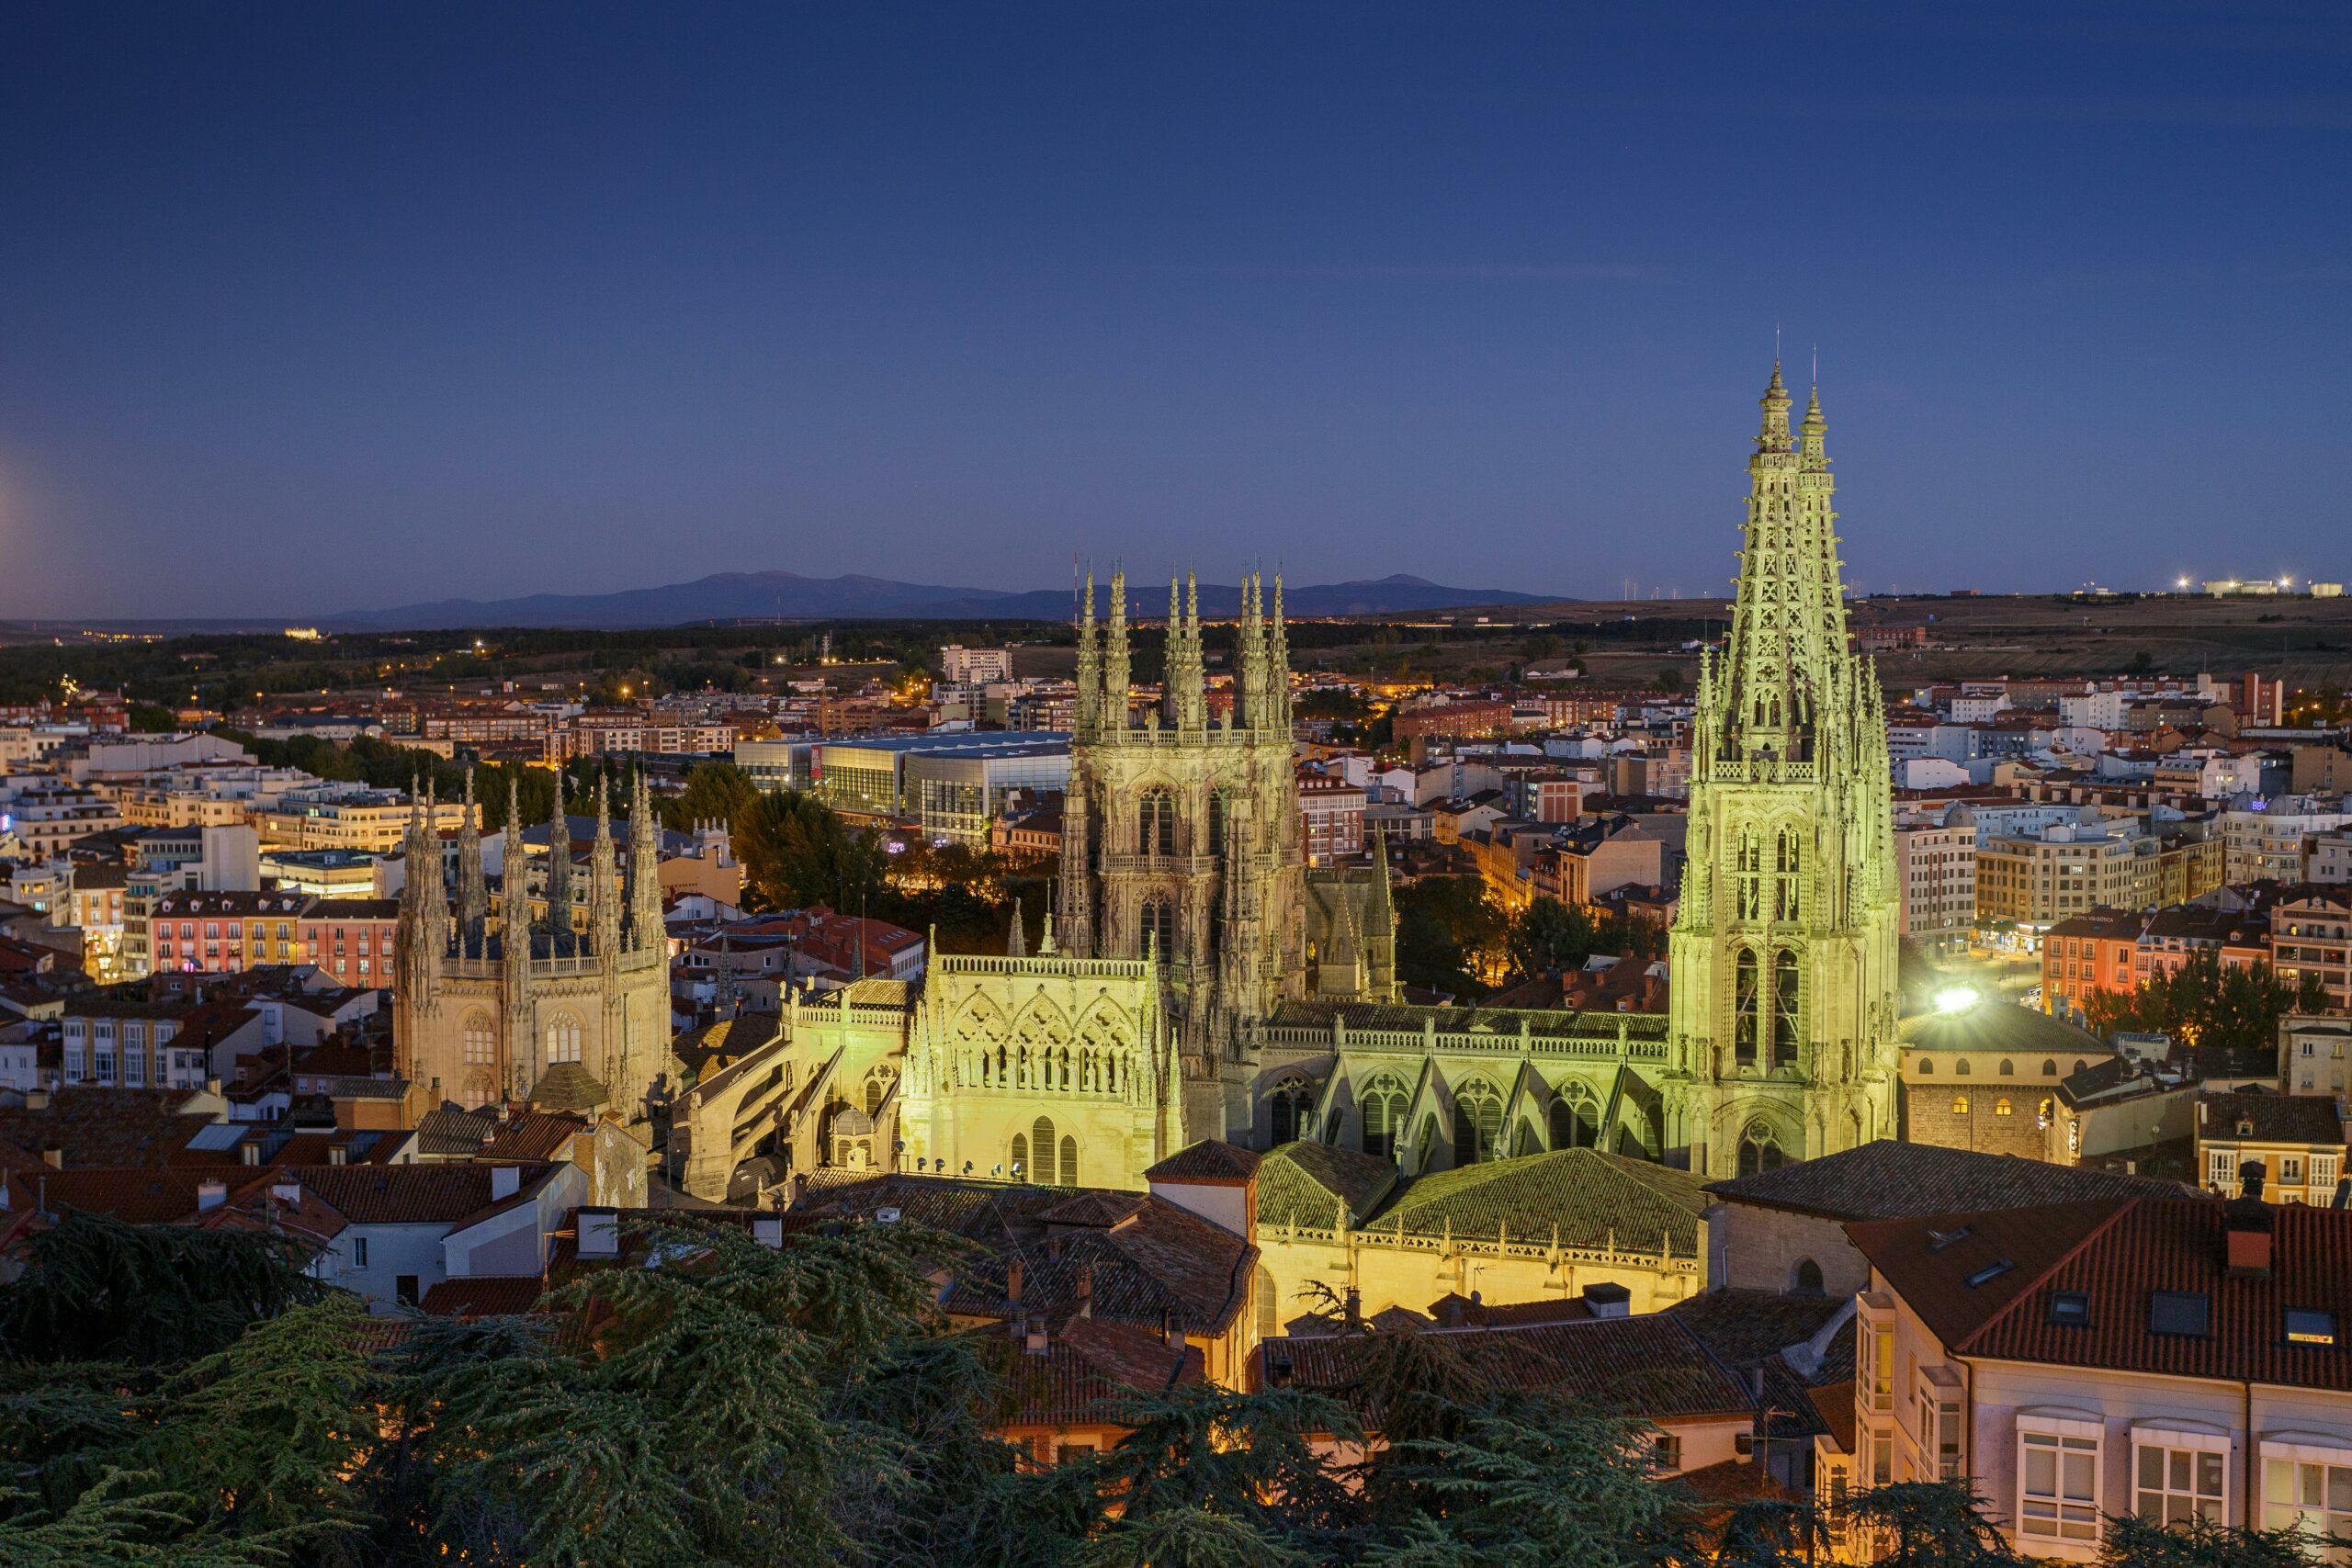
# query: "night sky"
[[314, 307]]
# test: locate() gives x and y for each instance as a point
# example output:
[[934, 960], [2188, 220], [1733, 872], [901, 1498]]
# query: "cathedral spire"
[[515, 882], [1017, 940], [559, 863], [1784, 679], [1278, 667], [1089, 666], [646, 929], [473, 892], [604, 897], [1113, 718]]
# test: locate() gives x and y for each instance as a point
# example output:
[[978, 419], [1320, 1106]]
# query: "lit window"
[[2057, 1486]]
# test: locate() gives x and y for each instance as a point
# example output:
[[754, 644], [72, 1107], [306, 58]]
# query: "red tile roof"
[[1208, 1160], [492, 1295], [2116, 1253]]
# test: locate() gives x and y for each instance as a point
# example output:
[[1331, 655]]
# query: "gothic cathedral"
[[1781, 1016], [1199, 979]]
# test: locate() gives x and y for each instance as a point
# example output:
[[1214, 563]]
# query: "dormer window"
[[2308, 1325]]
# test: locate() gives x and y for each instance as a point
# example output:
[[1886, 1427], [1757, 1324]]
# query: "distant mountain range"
[[786, 595]]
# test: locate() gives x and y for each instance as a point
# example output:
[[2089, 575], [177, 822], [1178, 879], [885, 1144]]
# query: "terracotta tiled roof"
[[1157, 1262], [1749, 1327], [489, 1296], [408, 1194], [106, 1126], [2261, 1117], [1652, 1362], [534, 1135], [1890, 1180], [1211, 1159], [1089, 1368], [1589, 1197], [452, 1130], [1834, 1405], [2116, 1254], [1306, 1183]]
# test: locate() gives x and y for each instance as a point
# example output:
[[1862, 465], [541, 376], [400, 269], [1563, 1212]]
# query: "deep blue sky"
[[309, 307]]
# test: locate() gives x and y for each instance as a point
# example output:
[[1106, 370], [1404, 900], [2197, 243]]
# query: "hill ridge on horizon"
[[787, 596]]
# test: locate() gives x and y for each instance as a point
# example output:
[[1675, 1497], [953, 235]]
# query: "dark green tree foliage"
[[1928, 1524], [716, 1401], [797, 851], [96, 1288], [1549, 935], [714, 792], [1449, 934], [2135, 1542], [2206, 1006]]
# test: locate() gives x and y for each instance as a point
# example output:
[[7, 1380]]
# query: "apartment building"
[[2036, 879], [2086, 954], [341, 817], [2298, 1140], [1934, 858], [2265, 840], [2168, 1357], [1330, 815], [2311, 934]]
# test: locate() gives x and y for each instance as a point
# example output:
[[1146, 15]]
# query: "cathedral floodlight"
[[1957, 999]]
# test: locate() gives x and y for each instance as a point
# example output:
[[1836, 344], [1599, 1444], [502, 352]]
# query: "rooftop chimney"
[[1608, 1300], [1033, 1339], [1086, 1289], [53, 1158], [2246, 1223], [1351, 1306], [1013, 1282], [211, 1195]]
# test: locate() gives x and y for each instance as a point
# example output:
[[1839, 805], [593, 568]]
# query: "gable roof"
[[1890, 1180], [1651, 1363], [2308, 1119], [1587, 1198], [2115, 1254], [1089, 1367], [1306, 1183], [1211, 1159]]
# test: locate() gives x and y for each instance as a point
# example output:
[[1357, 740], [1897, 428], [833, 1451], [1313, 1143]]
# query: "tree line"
[[170, 1394]]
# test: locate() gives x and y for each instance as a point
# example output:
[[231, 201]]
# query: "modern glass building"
[[950, 785]]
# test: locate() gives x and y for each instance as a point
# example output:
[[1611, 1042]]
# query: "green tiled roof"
[[1587, 1196], [1305, 1183]]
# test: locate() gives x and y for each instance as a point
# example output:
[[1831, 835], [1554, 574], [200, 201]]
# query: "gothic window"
[[1760, 1150], [1159, 925], [1785, 1009], [1961, 1066], [878, 1088], [1574, 1123], [1477, 1123], [1745, 1004], [1019, 1156], [1808, 1277], [2049, 1068], [1156, 822], [1751, 874], [1041, 1142], [1261, 1285], [1786, 884], [2009, 1068], [1216, 820], [1069, 1161], [480, 1040], [1384, 1115], [1290, 1108], [563, 1038]]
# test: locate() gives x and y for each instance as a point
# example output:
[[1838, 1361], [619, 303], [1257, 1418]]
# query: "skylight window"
[[1990, 1272], [2308, 1326], [1938, 1240], [2070, 1309], [2187, 1313]]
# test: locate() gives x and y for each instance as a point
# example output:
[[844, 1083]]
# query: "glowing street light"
[[1956, 999]]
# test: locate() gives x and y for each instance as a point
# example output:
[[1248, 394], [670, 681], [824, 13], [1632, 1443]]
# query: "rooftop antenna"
[[1816, 364], [1775, 343]]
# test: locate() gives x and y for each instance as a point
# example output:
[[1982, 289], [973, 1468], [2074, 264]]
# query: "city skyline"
[[329, 314]]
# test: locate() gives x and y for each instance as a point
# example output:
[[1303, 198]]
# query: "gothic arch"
[[1382, 1104], [1156, 817], [1761, 1147], [1477, 1122], [1573, 1119], [564, 1037], [1290, 1110]]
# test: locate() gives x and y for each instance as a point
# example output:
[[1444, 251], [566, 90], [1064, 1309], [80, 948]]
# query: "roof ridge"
[[2129, 1203]]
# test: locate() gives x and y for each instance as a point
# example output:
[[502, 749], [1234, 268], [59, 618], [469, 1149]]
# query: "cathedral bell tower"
[[1784, 950]]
